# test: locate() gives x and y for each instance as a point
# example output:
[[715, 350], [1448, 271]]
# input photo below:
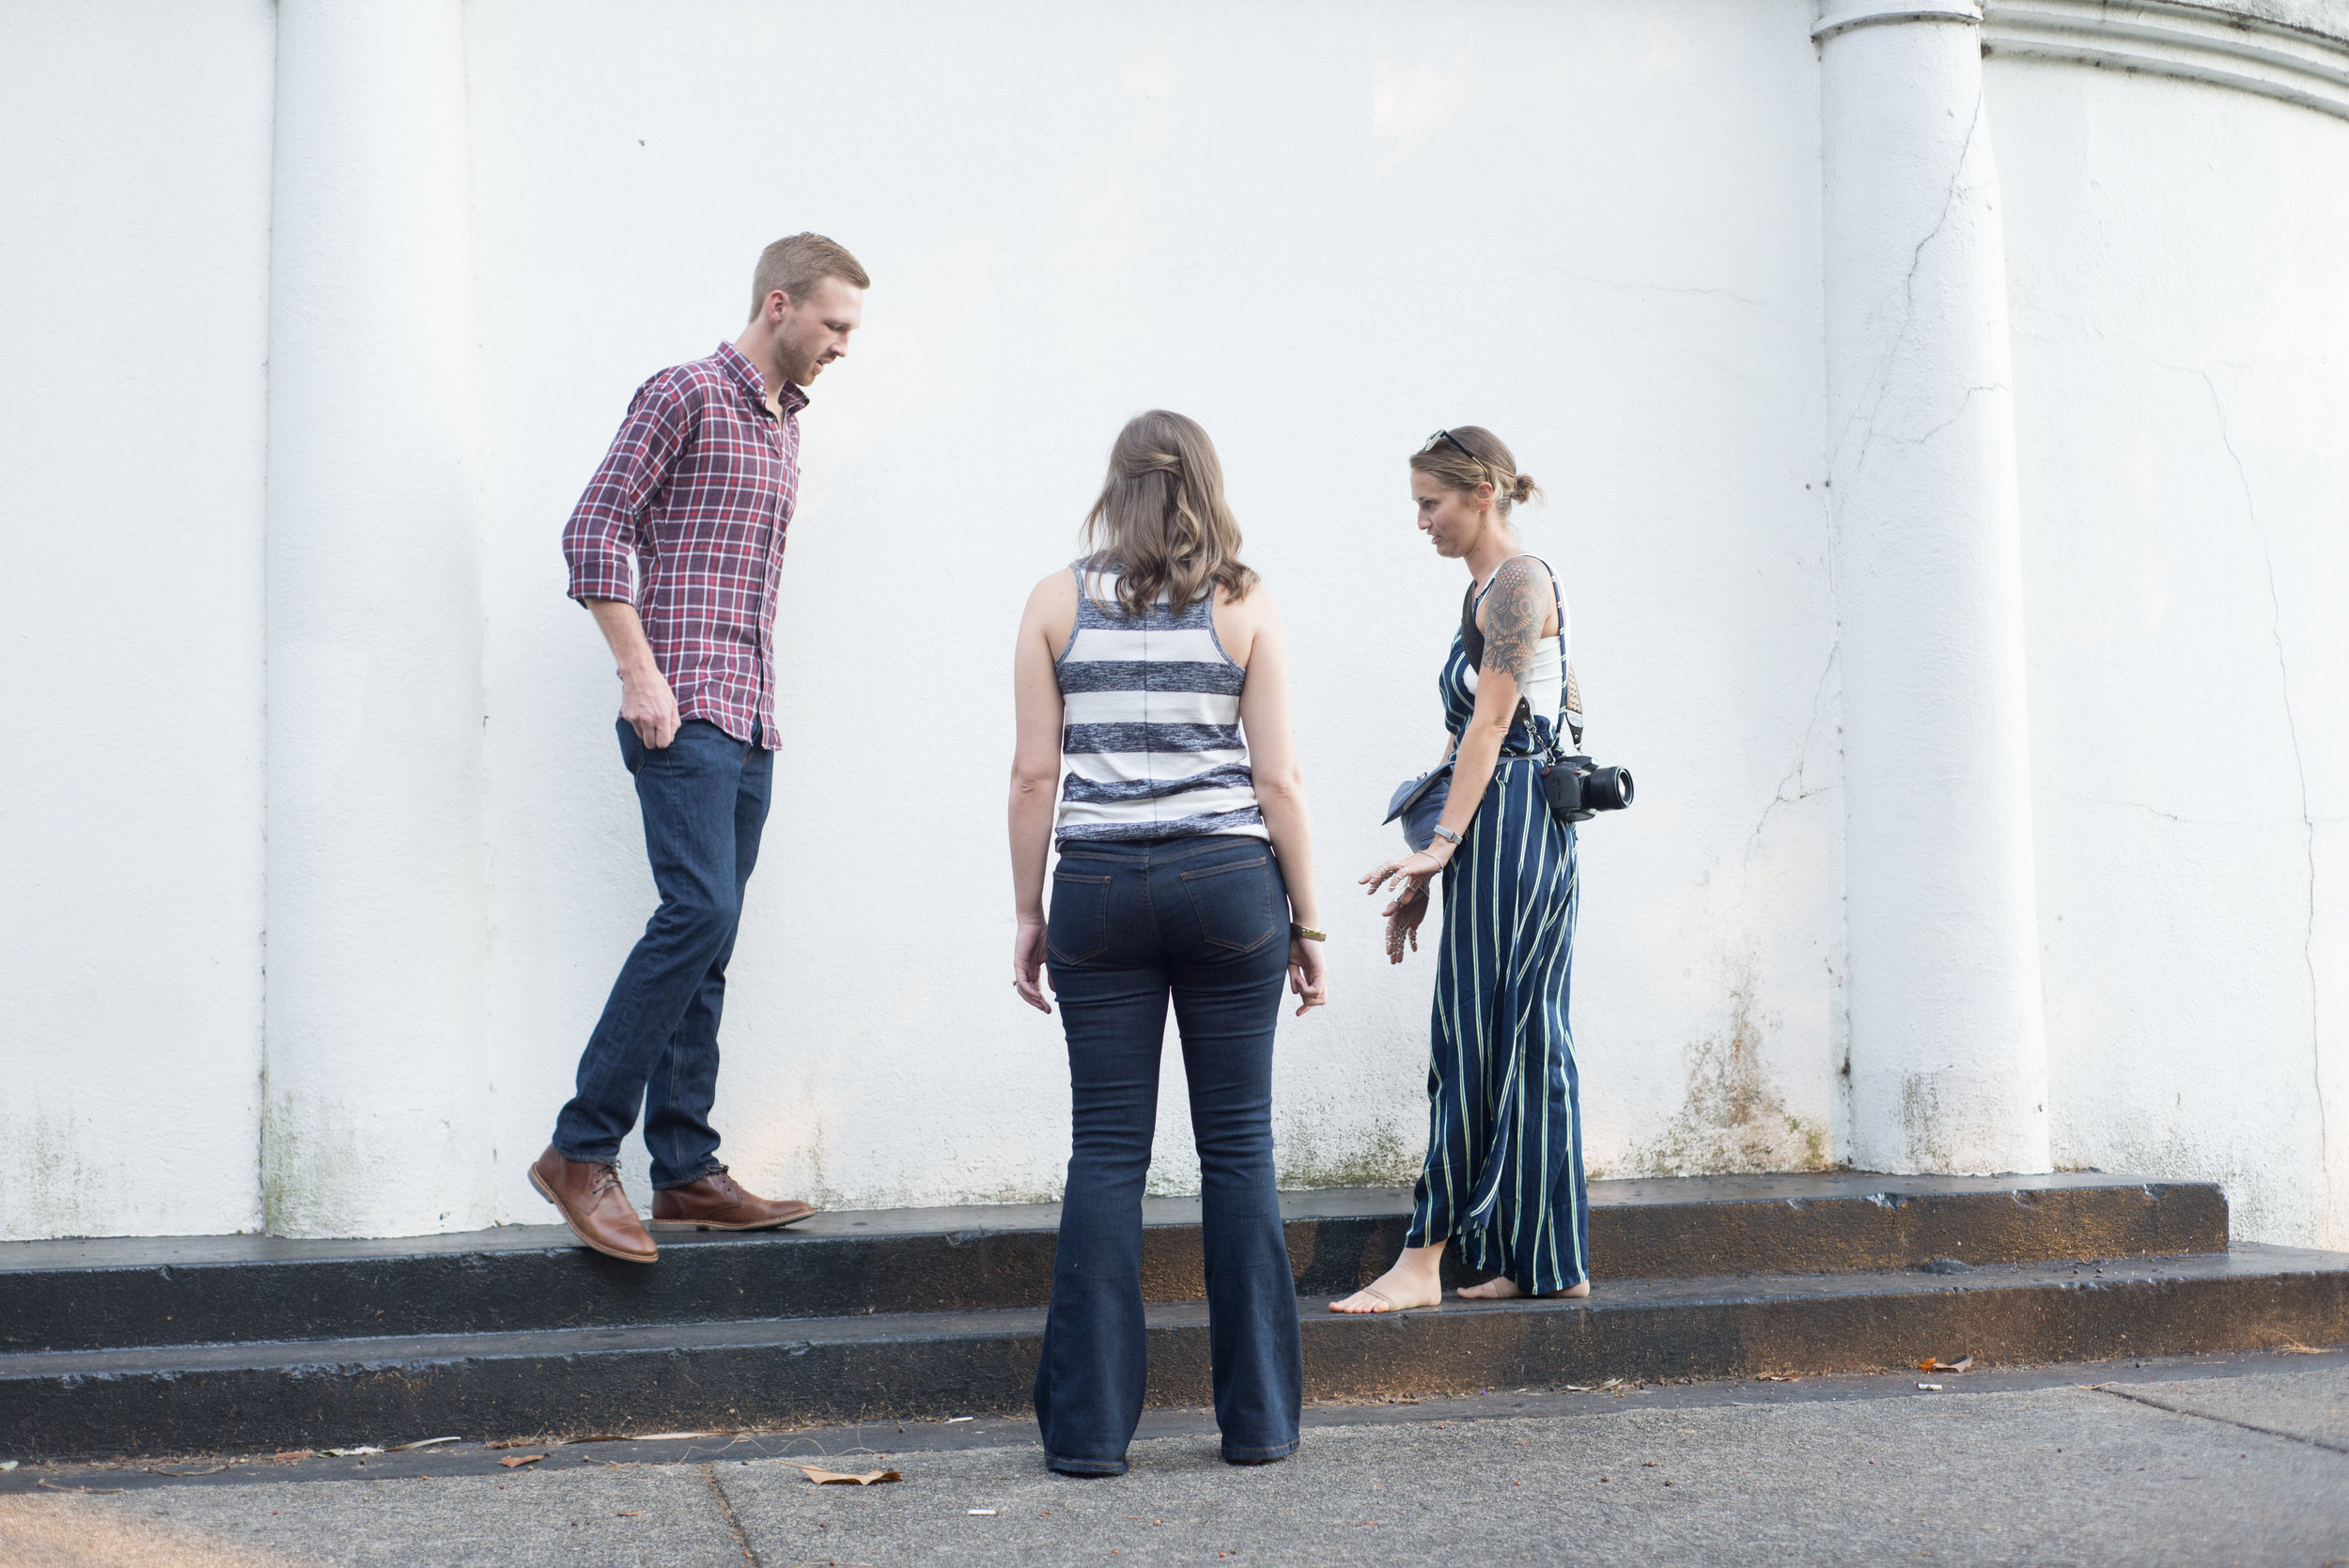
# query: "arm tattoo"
[[1513, 620]]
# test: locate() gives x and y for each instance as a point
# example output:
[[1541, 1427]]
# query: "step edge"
[[553, 1239], [761, 1333]]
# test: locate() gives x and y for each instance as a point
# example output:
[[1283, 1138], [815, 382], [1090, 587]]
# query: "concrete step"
[[123, 1292], [835, 1369]]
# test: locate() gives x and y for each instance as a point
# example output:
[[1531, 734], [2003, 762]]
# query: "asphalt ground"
[[2232, 1459]]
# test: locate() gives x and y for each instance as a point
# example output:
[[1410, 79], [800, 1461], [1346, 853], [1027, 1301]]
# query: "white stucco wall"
[[1948, 1068], [1594, 231], [377, 1100], [2180, 338], [1324, 231], [134, 199]]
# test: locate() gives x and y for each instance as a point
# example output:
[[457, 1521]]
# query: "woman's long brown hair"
[[1161, 521]]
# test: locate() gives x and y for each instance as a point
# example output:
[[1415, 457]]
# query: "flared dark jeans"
[[1202, 922]]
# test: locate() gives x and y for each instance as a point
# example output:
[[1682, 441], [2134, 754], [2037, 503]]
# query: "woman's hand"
[[1404, 916], [1309, 975], [1027, 959], [1419, 866]]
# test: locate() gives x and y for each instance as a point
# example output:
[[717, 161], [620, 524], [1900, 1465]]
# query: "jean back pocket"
[[1236, 903], [1077, 927]]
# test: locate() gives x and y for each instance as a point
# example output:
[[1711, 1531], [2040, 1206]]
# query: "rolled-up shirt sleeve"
[[607, 527]]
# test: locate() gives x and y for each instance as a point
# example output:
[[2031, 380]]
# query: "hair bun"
[[1523, 490]]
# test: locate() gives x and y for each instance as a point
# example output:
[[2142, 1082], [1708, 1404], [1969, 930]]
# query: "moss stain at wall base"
[[1732, 1118], [309, 1156], [52, 1190], [1306, 1155], [1921, 1122]]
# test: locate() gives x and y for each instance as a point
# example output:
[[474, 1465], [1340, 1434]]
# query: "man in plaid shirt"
[[676, 548]]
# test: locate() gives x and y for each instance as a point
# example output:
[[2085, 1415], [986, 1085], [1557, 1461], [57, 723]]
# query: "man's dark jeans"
[[705, 801], [1205, 920]]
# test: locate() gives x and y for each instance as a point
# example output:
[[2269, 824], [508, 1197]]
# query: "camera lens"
[[1608, 789]]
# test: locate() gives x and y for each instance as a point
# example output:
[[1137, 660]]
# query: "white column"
[[1948, 1064], [376, 1120]]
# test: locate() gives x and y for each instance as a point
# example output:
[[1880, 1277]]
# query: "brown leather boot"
[[588, 1196], [718, 1202]]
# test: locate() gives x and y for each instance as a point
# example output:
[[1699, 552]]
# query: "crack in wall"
[[1963, 404], [1881, 380], [2300, 774], [1795, 775], [1633, 285]]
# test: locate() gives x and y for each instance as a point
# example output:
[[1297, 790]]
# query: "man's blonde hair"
[[796, 265]]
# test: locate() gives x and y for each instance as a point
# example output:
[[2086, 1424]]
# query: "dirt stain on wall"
[[1732, 1117], [1309, 1156]]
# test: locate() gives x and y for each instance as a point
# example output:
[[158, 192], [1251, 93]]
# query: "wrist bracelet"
[[1306, 933], [1446, 834]]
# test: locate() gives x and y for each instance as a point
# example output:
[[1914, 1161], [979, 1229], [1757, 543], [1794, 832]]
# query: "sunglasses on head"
[[1455, 444]]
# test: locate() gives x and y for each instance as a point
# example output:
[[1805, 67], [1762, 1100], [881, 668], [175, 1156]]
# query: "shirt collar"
[[738, 364]]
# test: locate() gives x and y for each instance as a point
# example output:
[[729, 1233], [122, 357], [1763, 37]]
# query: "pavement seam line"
[[725, 1511], [2222, 1421]]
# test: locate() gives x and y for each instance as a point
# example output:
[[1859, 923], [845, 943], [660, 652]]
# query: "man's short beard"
[[792, 366]]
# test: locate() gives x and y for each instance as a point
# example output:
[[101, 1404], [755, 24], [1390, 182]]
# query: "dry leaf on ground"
[[1931, 1364], [212, 1470], [352, 1453], [435, 1442], [823, 1477], [48, 1485], [516, 1461]]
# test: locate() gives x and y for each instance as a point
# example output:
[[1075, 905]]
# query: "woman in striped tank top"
[[1503, 1175], [1154, 745]]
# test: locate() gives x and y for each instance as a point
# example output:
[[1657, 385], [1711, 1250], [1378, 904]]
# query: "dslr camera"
[[1579, 788]]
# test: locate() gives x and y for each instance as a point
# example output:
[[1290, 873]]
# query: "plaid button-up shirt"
[[685, 520]]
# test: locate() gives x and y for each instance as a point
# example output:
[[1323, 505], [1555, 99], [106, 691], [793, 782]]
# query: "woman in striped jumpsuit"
[[1503, 1176]]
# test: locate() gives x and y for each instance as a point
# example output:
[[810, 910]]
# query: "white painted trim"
[[2161, 37], [1843, 19]]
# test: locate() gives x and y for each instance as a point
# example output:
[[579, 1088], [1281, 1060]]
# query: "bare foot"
[[1398, 1290], [1500, 1288]]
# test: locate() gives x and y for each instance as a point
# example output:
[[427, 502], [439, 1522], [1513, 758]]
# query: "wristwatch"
[[1446, 834], [1306, 933]]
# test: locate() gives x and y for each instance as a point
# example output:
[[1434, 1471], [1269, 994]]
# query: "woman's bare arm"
[[1035, 772], [1265, 718], [1512, 618]]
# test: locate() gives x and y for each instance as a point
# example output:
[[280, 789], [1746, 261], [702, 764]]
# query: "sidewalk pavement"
[[2214, 1460]]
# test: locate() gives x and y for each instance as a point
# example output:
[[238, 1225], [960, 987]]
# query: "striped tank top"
[[1150, 737]]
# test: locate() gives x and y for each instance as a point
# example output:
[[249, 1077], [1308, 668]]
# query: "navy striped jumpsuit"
[[1503, 1176]]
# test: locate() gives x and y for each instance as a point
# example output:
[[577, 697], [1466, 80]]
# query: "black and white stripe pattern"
[[1150, 738]]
